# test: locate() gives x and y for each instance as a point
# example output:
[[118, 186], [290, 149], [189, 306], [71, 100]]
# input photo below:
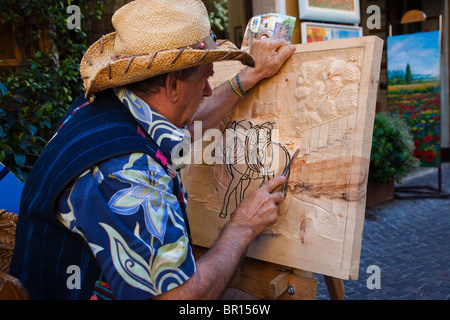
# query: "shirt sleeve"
[[126, 211]]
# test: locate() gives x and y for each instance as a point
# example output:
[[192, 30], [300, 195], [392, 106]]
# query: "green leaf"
[[19, 158], [31, 128], [5, 147], [47, 123]]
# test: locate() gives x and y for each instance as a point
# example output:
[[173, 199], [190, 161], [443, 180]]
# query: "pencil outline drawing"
[[251, 155]]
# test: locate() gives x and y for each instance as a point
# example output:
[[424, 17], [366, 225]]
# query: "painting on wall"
[[313, 32], [346, 11], [414, 89]]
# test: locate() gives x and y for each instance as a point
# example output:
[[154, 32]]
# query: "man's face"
[[194, 89]]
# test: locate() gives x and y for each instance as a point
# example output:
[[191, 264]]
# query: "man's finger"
[[285, 52], [272, 184], [278, 197], [269, 44], [276, 42]]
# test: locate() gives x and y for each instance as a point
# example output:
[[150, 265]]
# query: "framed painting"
[[313, 32], [270, 25], [346, 11], [322, 102], [413, 64]]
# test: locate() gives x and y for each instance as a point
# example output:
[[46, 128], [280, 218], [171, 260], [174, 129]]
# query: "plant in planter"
[[391, 157], [392, 149]]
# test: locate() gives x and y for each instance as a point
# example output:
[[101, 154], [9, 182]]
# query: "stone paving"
[[409, 240]]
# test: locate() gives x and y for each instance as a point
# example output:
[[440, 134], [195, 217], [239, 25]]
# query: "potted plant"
[[391, 157]]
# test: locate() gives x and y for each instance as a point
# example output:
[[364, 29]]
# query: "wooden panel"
[[11, 288], [10, 54], [323, 102]]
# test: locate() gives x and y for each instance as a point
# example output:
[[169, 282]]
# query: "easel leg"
[[335, 288]]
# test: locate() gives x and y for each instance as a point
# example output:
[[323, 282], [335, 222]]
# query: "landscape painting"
[[313, 32], [414, 89], [345, 11], [347, 5]]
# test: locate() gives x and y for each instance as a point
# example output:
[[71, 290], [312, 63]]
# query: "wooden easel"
[[333, 147], [269, 281]]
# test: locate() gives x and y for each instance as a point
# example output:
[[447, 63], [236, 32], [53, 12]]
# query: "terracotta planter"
[[379, 192]]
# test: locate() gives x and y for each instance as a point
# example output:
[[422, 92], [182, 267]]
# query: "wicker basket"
[[8, 224]]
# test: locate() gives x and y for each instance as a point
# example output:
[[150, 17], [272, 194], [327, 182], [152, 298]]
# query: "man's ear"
[[173, 86]]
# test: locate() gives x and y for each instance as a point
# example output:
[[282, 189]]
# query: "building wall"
[[391, 10], [236, 20], [97, 28], [269, 6]]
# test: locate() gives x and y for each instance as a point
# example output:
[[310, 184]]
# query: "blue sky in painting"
[[344, 34], [420, 50]]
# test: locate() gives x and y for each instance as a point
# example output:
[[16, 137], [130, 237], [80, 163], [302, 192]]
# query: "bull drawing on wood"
[[251, 158]]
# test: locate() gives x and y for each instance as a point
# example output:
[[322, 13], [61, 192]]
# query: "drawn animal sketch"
[[251, 157]]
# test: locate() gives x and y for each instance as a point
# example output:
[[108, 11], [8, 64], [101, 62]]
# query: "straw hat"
[[153, 37]]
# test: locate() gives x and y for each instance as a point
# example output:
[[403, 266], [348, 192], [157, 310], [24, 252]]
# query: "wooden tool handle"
[[278, 188]]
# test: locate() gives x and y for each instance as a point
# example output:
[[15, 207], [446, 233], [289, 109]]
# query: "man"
[[103, 214]]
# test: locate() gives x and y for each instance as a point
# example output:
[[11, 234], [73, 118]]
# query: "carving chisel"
[[283, 187]]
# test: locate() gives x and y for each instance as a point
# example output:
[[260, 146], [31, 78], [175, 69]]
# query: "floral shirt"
[[126, 211]]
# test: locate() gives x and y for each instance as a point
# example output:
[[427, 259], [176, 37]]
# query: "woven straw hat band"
[[173, 24]]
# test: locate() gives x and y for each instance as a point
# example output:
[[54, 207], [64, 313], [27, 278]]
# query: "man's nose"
[[207, 91]]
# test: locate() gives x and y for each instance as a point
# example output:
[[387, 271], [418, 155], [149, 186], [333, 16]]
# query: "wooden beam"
[[258, 277], [335, 288], [278, 285], [11, 288]]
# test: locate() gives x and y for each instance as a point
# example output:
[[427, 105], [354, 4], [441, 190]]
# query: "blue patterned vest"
[[88, 134]]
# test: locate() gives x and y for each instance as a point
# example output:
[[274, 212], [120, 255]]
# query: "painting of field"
[[347, 5], [414, 90]]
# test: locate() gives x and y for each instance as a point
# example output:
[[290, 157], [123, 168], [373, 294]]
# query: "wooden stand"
[[320, 225], [335, 288], [269, 281]]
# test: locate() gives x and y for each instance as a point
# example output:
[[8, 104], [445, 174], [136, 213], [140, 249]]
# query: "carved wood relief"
[[323, 102]]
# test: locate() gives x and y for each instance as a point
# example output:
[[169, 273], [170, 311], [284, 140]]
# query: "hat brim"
[[100, 69]]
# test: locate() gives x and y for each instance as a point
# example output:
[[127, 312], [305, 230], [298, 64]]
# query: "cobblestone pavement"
[[409, 240]]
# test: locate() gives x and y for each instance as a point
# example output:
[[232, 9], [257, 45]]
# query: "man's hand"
[[217, 267], [260, 209], [270, 55]]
